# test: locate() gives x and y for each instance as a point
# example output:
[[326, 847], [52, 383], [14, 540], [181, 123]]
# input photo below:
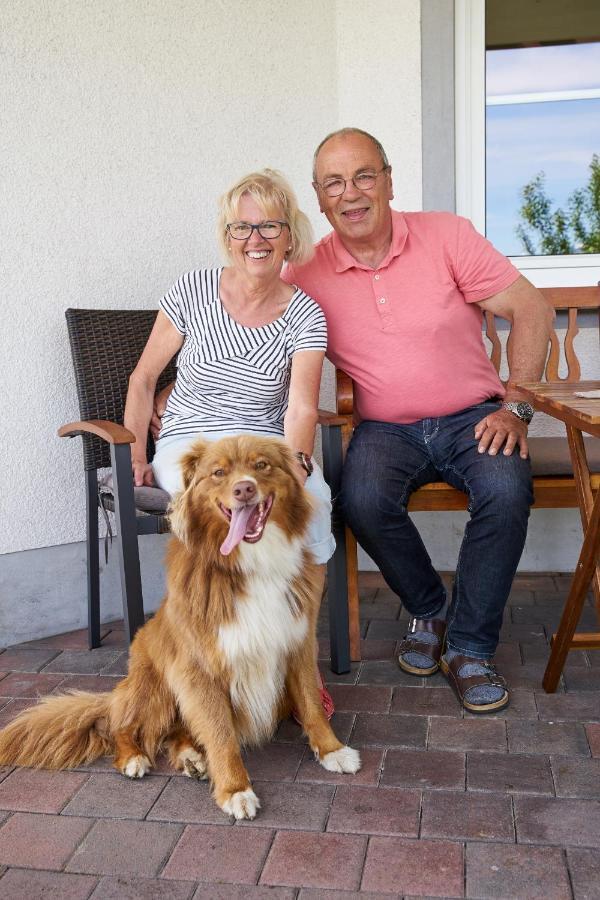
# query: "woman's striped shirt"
[[232, 377]]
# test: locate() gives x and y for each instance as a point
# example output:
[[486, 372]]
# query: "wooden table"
[[557, 399]]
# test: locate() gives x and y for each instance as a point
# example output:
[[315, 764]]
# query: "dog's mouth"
[[246, 523]]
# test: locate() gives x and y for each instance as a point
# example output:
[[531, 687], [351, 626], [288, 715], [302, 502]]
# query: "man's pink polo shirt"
[[410, 332]]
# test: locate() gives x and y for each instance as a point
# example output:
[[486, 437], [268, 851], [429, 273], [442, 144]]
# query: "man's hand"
[[142, 474], [499, 429], [158, 409]]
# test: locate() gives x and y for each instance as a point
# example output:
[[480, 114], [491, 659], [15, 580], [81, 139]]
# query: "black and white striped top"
[[232, 377]]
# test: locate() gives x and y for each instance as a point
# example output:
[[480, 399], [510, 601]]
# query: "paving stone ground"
[[446, 804]]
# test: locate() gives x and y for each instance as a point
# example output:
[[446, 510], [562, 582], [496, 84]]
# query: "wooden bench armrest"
[[327, 418], [344, 390], [108, 431]]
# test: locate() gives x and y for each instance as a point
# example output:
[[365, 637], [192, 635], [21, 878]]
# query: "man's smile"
[[356, 214]]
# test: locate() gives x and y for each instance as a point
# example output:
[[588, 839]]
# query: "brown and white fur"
[[229, 653]]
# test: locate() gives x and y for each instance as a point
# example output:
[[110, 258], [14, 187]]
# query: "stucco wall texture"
[[123, 122]]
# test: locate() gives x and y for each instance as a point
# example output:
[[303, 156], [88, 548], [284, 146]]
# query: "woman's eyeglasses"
[[241, 231]]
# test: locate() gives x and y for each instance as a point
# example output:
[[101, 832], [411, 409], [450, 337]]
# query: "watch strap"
[[305, 461]]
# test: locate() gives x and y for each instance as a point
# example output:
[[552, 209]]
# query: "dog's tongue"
[[237, 528]]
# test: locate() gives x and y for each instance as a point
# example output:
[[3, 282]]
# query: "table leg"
[[586, 564], [585, 498]]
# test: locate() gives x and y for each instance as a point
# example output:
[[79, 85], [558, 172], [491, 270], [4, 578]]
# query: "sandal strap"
[[490, 677], [431, 626], [411, 645]]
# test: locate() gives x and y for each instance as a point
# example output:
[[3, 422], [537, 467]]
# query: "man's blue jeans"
[[385, 463]]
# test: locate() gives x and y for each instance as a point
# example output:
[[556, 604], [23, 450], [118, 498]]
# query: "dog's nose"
[[244, 490]]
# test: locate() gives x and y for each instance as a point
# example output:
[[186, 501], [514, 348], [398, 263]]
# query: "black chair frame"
[[106, 346]]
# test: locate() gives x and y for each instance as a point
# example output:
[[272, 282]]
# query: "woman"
[[251, 348]]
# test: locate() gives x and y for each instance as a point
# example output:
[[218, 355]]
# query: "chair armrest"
[[327, 418], [108, 431]]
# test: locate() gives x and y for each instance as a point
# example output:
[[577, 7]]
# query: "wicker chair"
[[105, 346]]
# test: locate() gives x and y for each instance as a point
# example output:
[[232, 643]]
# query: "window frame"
[[469, 74]]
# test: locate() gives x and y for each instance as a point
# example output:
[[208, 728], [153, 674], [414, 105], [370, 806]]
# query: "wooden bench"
[[554, 487]]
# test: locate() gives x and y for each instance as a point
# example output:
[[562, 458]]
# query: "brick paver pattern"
[[446, 805]]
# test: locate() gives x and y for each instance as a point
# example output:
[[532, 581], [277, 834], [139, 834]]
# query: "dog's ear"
[[189, 461], [286, 458], [178, 517], [178, 510]]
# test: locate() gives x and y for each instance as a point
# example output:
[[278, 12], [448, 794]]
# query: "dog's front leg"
[[304, 695], [207, 714]]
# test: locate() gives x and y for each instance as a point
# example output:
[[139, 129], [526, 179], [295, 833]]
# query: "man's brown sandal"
[[411, 644], [462, 684]]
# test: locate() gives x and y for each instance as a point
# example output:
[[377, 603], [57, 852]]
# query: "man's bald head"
[[347, 132]]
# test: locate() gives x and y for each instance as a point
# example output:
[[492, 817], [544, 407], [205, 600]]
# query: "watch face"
[[524, 411]]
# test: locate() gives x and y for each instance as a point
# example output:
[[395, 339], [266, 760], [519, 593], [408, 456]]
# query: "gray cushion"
[[151, 499], [550, 455]]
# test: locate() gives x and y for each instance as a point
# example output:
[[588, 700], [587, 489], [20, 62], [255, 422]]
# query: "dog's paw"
[[343, 760], [136, 766], [192, 764], [242, 805]]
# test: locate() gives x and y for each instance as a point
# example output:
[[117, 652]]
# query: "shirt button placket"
[[381, 300]]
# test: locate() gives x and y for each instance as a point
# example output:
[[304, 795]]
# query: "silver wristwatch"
[[521, 409]]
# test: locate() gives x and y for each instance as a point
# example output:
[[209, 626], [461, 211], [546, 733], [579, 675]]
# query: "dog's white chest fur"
[[265, 631]]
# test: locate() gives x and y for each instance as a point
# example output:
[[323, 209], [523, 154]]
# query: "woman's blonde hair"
[[274, 195]]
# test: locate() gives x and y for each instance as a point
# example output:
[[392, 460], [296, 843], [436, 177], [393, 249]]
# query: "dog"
[[231, 650]]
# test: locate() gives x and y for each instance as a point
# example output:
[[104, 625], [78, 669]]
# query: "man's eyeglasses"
[[364, 181], [241, 231]]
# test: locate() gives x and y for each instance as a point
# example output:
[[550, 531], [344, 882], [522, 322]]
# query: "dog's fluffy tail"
[[59, 733]]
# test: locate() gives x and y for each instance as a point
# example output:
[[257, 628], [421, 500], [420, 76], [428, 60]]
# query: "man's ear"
[[318, 193], [391, 188]]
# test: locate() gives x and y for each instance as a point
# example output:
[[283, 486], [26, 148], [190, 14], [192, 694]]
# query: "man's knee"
[[507, 490], [353, 497], [367, 504]]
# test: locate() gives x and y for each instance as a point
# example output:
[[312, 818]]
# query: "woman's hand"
[[142, 473], [158, 409]]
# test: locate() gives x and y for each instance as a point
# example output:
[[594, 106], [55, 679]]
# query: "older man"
[[404, 294]]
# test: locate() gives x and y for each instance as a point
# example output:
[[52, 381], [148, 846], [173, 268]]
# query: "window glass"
[[543, 148]]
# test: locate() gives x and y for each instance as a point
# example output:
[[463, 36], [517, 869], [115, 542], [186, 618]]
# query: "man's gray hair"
[[343, 132]]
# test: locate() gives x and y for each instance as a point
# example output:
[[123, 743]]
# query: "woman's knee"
[[319, 539]]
